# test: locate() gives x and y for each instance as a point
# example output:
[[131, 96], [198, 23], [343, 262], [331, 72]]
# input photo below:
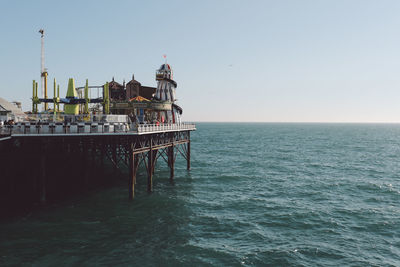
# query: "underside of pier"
[[42, 169]]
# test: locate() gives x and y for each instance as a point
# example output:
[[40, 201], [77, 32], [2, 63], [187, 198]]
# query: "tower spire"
[[43, 72]]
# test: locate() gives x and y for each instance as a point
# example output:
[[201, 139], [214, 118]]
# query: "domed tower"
[[166, 86], [166, 91]]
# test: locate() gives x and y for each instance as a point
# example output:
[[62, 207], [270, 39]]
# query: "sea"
[[257, 194]]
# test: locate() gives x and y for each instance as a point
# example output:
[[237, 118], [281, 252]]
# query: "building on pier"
[[10, 111], [146, 104], [166, 92], [117, 90], [143, 104], [135, 89], [134, 100]]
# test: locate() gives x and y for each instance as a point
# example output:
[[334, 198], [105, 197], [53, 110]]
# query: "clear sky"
[[275, 61]]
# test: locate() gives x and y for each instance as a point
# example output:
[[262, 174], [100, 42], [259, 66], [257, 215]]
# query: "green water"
[[257, 195]]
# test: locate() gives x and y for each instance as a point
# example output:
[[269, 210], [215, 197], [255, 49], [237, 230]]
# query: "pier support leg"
[[137, 160], [114, 155], [171, 160], [154, 159], [132, 174], [188, 151], [93, 150], [150, 168], [43, 178], [102, 148], [85, 163], [6, 170]]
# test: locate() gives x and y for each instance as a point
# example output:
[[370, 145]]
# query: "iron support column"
[[43, 177], [150, 166], [132, 174], [171, 160], [114, 154], [188, 150]]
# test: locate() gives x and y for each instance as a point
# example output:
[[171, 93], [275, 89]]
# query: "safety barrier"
[[145, 128], [58, 128]]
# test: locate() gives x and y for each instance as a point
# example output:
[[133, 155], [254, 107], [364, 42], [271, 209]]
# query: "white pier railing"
[[147, 128], [92, 127]]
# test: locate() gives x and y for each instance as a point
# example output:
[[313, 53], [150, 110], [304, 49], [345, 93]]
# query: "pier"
[[62, 144], [41, 160]]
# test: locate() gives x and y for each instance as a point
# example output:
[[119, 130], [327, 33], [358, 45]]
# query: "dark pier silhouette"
[[43, 166]]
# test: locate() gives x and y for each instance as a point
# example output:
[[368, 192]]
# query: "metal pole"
[[188, 150], [43, 178], [150, 166], [43, 76], [132, 174], [171, 163], [114, 154]]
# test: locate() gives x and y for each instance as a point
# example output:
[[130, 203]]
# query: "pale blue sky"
[[289, 61]]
